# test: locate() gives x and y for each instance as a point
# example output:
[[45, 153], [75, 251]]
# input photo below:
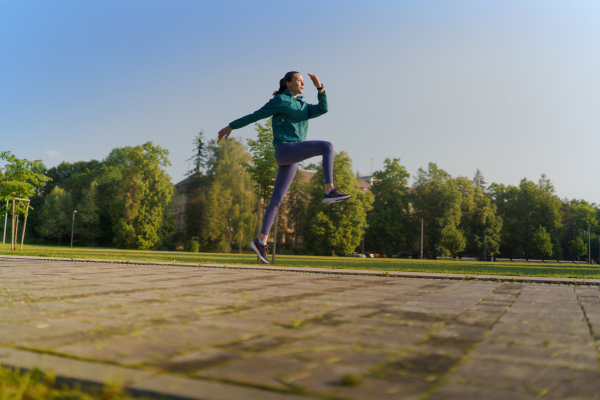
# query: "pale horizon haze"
[[510, 87]]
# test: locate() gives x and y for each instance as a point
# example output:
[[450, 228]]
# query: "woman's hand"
[[225, 132], [315, 80]]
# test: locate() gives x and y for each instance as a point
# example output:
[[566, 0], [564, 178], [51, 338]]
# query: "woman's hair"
[[287, 78]]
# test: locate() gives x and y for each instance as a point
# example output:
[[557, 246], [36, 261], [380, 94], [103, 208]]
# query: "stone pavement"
[[208, 333]]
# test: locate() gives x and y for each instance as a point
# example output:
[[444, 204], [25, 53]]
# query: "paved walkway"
[[208, 333]]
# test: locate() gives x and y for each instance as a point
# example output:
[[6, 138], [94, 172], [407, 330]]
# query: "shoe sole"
[[257, 252], [336, 199]]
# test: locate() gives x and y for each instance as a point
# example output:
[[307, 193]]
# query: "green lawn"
[[35, 385], [379, 264]]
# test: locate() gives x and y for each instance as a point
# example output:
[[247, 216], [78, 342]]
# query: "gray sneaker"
[[335, 197], [262, 251]]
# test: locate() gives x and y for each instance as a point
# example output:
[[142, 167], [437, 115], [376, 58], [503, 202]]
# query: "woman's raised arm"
[[225, 132]]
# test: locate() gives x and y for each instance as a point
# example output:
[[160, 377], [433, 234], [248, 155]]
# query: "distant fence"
[[540, 261], [519, 260]]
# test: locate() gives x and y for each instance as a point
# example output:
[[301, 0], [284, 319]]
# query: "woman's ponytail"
[[287, 78]]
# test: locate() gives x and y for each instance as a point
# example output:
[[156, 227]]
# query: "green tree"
[[200, 157], [263, 168], [437, 200], [585, 215], [523, 209], [578, 247], [335, 228], [219, 201], [88, 217], [19, 179], [73, 177], [196, 188], [479, 180], [195, 208], [480, 224], [140, 210], [390, 228], [293, 209], [56, 214], [541, 243], [229, 196], [578, 217], [452, 240]]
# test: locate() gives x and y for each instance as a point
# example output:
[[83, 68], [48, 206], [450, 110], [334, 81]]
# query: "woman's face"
[[296, 86]]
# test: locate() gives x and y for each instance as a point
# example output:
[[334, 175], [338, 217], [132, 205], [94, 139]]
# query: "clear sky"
[[509, 87]]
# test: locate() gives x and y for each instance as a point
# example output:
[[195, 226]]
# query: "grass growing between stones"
[[35, 385], [378, 264]]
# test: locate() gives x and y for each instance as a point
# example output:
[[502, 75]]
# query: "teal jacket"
[[290, 116]]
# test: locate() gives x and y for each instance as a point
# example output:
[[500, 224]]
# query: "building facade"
[[178, 205]]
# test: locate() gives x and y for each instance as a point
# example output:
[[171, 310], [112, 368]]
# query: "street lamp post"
[[485, 245], [5, 220], [363, 241], [421, 238], [598, 245], [229, 234], [73, 228]]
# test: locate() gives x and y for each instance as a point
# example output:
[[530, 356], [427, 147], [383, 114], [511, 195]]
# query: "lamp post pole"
[[421, 238], [258, 219], [73, 228], [598, 246], [229, 231], [5, 221], [363, 241], [589, 245], [485, 245]]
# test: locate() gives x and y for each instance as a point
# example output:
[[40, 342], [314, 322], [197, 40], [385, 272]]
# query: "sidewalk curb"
[[145, 383], [391, 274]]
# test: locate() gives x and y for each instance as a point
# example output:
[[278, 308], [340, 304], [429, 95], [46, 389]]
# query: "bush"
[[194, 246], [301, 251], [167, 245]]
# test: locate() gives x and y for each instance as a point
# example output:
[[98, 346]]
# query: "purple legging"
[[288, 155]]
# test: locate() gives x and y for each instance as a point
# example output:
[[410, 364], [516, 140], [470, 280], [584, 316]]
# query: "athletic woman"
[[290, 123]]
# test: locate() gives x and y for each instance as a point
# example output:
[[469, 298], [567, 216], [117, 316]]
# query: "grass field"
[[34, 385], [379, 264]]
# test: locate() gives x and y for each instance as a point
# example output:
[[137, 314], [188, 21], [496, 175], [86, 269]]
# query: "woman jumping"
[[290, 122]]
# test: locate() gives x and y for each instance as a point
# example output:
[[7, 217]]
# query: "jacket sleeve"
[[317, 110], [268, 110]]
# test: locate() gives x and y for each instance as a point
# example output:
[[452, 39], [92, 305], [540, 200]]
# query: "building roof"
[[363, 185], [184, 182], [306, 175]]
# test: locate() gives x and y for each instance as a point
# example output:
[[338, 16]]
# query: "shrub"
[[301, 251], [193, 245]]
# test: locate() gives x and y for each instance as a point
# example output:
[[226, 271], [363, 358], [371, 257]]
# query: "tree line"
[[121, 201], [459, 216], [467, 217], [125, 201]]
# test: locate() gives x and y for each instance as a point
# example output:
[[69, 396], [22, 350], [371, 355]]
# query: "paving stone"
[[402, 387], [461, 332], [177, 387], [535, 380], [124, 350], [320, 336], [464, 392], [196, 361], [276, 373], [554, 355]]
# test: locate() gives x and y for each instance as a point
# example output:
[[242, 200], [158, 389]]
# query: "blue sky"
[[508, 87]]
